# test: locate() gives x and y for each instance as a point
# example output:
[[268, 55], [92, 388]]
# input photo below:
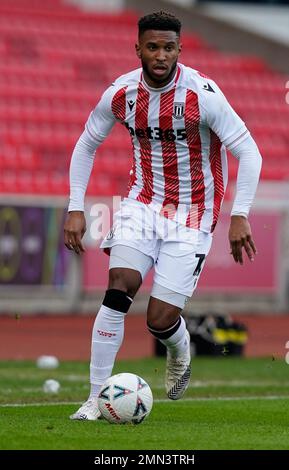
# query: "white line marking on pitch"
[[158, 400]]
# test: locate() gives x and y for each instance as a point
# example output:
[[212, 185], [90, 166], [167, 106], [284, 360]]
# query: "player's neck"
[[156, 85]]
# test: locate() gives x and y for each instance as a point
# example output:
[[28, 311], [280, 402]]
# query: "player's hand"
[[240, 236], [74, 229]]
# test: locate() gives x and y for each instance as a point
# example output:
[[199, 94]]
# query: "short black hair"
[[161, 21]]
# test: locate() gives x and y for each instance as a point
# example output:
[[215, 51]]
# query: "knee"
[[160, 317], [128, 282], [156, 324], [158, 327]]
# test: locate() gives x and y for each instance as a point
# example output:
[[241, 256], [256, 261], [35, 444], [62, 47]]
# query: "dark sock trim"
[[117, 300], [168, 332]]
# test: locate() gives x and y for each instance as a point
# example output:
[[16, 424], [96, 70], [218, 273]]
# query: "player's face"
[[158, 52]]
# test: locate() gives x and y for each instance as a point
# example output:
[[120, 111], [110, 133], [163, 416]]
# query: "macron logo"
[[130, 104], [106, 333], [208, 87]]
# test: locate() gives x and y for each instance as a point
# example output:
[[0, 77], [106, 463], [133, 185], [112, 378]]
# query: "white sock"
[[177, 343], [94, 391], [107, 336]]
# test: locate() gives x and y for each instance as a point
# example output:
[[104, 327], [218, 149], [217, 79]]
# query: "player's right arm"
[[98, 126]]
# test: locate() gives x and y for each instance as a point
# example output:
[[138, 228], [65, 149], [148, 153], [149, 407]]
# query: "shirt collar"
[[167, 87]]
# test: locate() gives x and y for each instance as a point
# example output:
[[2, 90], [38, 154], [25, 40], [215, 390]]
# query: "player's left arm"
[[240, 235], [232, 132]]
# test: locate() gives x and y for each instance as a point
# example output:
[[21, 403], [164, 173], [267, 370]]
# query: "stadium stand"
[[55, 63]]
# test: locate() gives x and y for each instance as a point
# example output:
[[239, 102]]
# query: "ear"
[[138, 51], [180, 48]]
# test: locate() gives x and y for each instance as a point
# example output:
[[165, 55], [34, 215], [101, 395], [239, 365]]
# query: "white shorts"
[[177, 252]]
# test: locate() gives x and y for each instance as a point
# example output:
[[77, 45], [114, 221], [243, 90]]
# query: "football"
[[125, 398]]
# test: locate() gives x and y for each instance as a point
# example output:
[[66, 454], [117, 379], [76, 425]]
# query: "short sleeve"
[[221, 117]]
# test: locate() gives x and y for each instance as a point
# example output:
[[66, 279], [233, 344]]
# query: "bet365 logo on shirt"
[[156, 133]]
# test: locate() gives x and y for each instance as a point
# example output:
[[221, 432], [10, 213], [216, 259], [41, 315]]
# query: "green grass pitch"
[[232, 403]]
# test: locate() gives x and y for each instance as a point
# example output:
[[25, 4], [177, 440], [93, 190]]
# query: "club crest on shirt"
[[179, 109]]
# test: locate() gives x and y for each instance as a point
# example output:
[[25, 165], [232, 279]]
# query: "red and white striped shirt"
[[179, 134]]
